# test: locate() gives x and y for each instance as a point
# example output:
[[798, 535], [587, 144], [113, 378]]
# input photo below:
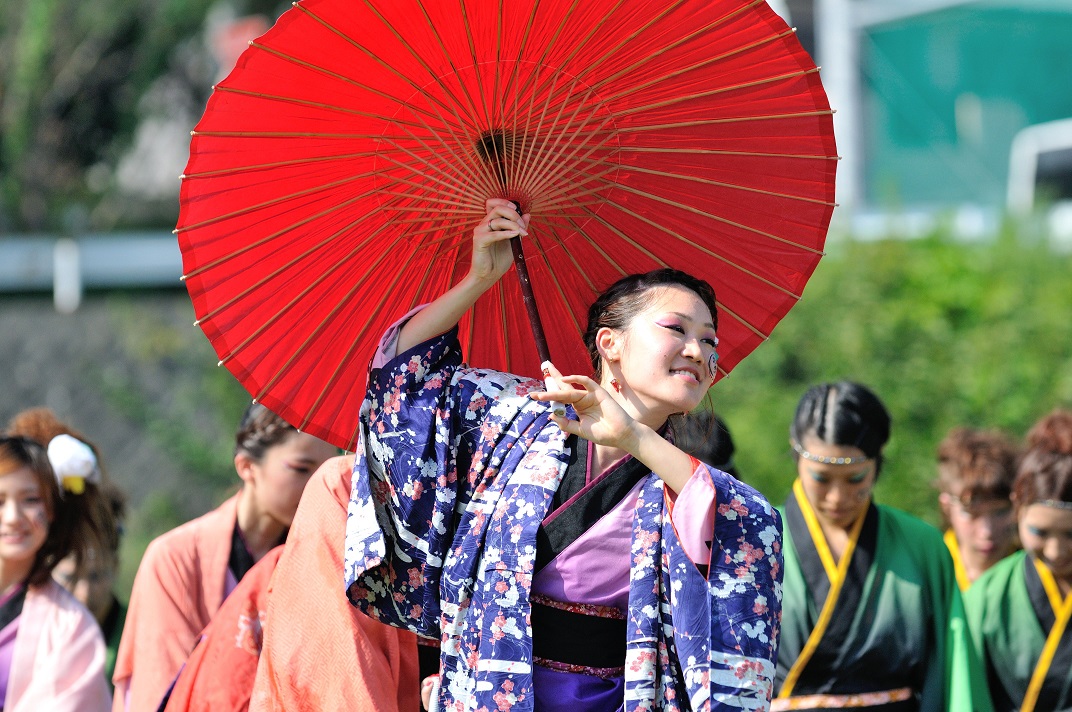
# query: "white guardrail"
[[68, 266]]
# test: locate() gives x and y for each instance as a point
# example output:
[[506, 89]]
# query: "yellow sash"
[[958, 562], [1062, 611], [835, 573]]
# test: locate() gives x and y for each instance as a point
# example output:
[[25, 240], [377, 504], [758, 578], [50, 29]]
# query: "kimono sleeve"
[[421, 420], [726, 624], [954, 679]]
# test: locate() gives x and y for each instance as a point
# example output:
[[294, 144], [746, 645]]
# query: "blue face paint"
[[712, 363]]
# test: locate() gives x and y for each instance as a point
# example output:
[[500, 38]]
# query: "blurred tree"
[[946, 333], [73, 75]]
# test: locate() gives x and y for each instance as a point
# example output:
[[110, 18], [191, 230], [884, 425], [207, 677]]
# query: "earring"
[[615, 385]]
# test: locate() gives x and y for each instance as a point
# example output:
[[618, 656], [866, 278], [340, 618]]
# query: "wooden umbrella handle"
[[534, 318]]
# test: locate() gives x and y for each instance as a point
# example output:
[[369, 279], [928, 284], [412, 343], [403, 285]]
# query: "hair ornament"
[[73, 462], [1059, 504], [822, 459]]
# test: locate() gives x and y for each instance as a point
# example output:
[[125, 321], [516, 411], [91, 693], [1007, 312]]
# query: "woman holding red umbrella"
[[580, 561]]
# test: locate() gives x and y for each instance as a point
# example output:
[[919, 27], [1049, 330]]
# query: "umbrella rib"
[[461, 163], [693, 67], [549, 45], [560, 242], [593, 244], [268, 238], [721, 184], [335, 75], [481, 94], [717, 218], [592, 65], [421, 197], [277, 164], [548, 150], [329, 384], [741, 320], [701, 248], [570, 161], [421, 90], [551, 272], [446, 55], [727, 120], [522, 46], [567, 189], [496, 95], [297, 298], [281, 134], [532, 150], [275, 273], [439, 241], [712, 92], [438, 175], [647, 58], [621, 235], [273, 201], [700, 32], [316, 104], [716, 152], [724, 308]]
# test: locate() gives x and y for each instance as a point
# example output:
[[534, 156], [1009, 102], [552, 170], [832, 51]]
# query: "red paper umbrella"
[[337, 174]]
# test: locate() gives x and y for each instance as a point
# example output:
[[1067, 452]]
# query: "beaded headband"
[[1055, 503], [822, 459]]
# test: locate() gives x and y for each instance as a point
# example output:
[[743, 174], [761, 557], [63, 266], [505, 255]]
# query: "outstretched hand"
[[492, 256], [600, 419]]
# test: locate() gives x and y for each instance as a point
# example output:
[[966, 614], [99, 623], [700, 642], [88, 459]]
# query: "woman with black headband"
[[872, 616]]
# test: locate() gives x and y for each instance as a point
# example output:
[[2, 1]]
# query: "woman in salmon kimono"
[[186, 573], [872, 617], [1019, 610], [580, 562], [51, 649]]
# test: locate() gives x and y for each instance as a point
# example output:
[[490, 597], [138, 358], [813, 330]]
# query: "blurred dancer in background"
[[871, 616], [705, 436], [90, 574], [976, 469], [51, 649], [187, 573], [1019, 610]]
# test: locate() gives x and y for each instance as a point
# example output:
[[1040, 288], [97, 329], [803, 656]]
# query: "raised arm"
[[490, 260]]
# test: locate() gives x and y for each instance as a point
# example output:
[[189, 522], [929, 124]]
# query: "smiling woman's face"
[[666, 355], [839, 494], [24, 519]]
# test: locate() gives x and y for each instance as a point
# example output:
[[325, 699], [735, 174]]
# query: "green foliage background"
[[947, 333]]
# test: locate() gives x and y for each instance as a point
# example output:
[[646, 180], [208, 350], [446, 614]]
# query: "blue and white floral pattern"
[[457, 472]]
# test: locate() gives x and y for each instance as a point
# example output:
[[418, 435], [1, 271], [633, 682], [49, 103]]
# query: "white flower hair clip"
[[73, 462]]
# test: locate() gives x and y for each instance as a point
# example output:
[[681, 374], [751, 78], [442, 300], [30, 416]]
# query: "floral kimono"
[[457, 473]]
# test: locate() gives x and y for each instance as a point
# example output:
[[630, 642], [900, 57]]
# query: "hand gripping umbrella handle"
[[558, 409]]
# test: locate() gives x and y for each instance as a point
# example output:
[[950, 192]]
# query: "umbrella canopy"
[[338, 171]]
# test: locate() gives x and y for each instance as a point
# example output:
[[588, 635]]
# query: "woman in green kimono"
[[1019, 610], [871, 615]]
